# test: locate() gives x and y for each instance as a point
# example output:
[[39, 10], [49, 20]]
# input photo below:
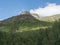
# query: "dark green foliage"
[[49, 36]]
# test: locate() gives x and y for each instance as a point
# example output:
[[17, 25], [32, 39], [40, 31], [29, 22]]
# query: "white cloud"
[[49, 10]]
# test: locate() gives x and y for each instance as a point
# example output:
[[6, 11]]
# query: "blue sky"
[[9, 8]]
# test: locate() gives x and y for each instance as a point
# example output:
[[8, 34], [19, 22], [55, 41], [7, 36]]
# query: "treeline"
[[48, 36]]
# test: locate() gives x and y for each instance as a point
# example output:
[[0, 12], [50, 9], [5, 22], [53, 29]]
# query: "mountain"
[[24, 21], [30, 29], [27, 21]]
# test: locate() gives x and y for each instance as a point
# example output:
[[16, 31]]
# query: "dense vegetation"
[[47, 36], [27, 30]]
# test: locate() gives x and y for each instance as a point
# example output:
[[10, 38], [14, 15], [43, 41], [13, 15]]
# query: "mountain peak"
[[25, 12], [28, 13]]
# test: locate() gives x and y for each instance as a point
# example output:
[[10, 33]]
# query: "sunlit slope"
[[51, 18]]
